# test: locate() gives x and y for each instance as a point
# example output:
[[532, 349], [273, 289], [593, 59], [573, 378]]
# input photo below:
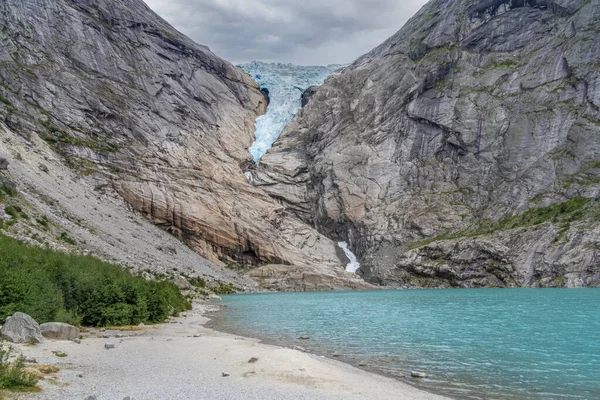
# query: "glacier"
[[285, 84]]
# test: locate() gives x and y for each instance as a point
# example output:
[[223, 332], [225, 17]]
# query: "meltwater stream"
[[474, 343], [285, 84]]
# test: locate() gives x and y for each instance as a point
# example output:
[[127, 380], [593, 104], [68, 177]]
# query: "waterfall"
[[353, 266], [285, 84]]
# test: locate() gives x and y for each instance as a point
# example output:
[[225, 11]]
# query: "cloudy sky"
[[304, 32]]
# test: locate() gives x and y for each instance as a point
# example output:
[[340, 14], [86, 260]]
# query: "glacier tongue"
[[285, 83]]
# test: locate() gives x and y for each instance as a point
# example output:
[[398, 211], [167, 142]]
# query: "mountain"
[[462, 152], [120, 110]]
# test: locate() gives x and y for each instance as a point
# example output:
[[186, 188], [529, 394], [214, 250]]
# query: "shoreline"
[[183, 358], [405, 378]]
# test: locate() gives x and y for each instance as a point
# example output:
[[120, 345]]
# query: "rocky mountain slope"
[[463, 151], [141, 113]]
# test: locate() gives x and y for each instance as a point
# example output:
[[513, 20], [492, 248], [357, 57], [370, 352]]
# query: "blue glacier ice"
[[285, 83]]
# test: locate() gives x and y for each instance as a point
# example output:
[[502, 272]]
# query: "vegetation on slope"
[[53, 286], [561, 214]]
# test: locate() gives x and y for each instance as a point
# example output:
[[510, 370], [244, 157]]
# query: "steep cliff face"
[[463, 151], [137, 107]]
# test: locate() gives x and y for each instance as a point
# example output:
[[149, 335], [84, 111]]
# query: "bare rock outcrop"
[[472, 114]]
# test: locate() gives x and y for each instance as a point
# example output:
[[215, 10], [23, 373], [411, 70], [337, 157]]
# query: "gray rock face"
[[21, 328], [138, 107], [472, 114], [59, 331]]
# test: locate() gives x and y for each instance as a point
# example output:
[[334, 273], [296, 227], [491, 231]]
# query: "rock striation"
[[140, 110], [462, 152]]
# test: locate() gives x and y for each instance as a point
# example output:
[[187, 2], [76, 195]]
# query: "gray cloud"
[[297, 31]]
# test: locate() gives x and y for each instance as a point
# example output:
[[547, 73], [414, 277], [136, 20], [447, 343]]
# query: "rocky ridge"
[[464, 151]]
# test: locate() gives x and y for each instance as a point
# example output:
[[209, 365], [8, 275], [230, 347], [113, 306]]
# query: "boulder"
[[3, 164], [59, 331], [21, 328]]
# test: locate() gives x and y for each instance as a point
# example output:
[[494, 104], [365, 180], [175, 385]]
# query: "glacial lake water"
[[473, 344]]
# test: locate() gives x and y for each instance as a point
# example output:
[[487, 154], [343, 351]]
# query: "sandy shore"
[[185, 360]]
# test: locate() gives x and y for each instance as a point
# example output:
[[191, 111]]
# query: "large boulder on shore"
[[21, 328], [59, 331]]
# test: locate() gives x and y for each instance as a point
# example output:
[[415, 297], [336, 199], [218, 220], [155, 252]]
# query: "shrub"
[[53, 286], [12, 374]]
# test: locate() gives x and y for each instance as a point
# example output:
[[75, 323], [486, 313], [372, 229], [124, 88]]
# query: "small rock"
[[416, 374], [91, 398], [127, 398], [3, 164], [142, 325], [108, 346], [252, 360], [302, 349], [197, 335], [30, 360], [119, 335], [78, 341], [225, 374], [304, 337], [105, 336], [43, 168], [80, 375], [362, 364], [122, 329]]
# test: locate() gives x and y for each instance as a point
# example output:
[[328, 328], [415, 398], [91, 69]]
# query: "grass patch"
[[168, 34], [15, 211], [13, 375], [563, 213], [224, 288], [53, 286], [7, 190], [58, 135], [197, 282], [5, 100], [64, 236]]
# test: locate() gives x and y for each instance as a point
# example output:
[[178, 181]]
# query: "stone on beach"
[[416, 374], [59, 331], [21, 328]]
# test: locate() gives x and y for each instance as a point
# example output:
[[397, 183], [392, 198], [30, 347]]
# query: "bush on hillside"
[[53, 286]]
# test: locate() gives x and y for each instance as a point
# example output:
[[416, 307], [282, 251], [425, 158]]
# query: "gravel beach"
[[183, 359]]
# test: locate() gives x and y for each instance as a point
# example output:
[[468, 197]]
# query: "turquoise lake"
[[473, 344]]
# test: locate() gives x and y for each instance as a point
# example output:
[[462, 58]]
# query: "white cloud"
[[297, 31]]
